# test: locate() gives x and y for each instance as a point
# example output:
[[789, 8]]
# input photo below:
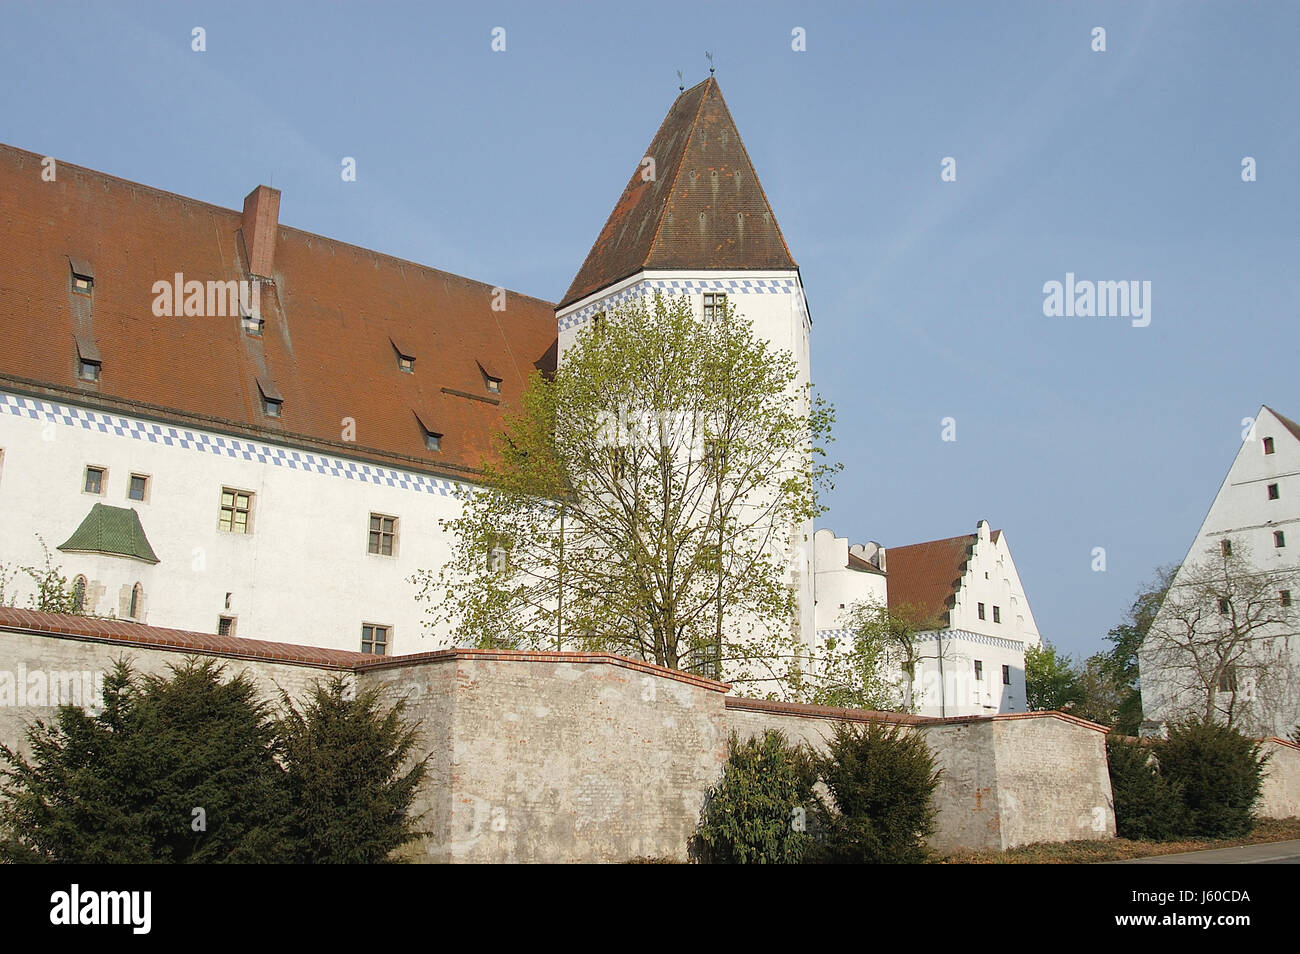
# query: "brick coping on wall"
[[832, 713], [95, 629]]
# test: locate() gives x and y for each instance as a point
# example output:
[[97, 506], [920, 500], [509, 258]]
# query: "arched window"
[[79, 595], [137, 601]]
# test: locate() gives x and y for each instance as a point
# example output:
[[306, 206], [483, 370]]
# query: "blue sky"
[[926, 296]]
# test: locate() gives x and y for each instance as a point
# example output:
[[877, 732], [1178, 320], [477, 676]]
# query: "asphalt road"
[[1274, 853]]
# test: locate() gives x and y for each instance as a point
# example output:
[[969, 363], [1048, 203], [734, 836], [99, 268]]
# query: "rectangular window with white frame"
[[236, 511], [383, 535]]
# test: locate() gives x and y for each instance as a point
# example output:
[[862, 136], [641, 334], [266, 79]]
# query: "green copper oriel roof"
[[113, 530]]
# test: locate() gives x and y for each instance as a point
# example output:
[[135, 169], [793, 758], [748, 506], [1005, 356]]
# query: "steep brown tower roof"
[[336, 318], [704, 208]]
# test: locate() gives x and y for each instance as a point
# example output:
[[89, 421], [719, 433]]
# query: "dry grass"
[[1118, 849]]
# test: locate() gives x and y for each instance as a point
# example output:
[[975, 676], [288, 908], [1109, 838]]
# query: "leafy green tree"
[[349, 784], [643, 500], [881, 779], [1220, 772], [1051, 681], [174, 769], [759, 811]]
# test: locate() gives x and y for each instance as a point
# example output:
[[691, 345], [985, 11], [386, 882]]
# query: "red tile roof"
[[924, 576], [704, 208], [325, 348]]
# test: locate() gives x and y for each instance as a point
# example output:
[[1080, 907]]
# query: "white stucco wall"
[[304, 575], [991, 579], [837, 587], [1243, 512]]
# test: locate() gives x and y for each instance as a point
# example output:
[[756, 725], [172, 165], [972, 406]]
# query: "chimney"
[[261, 219]]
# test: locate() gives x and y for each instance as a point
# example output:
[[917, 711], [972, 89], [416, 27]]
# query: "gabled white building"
[[966, 592], [1256, 513]]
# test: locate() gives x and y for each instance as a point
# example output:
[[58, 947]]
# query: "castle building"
[[216, 422], [1228, 622], [965, 596]]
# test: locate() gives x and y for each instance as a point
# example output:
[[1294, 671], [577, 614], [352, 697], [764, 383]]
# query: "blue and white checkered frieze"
[[672, 286], [205, 443]]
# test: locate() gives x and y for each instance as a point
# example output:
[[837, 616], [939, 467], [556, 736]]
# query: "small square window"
[[236, 508], [405, 364], [1279, 539], [1273, 492], [1225, 547], [94, 483], [979, 608], [997, 614], [1268, 445], [432, 441], [374, 639], [383, 535], [272, 406], [494, 385], [1285, 597], [252, 325], [226, 626], [1006, 675], [82, 284], [713, 304], [139, 489], [979, 670], [88, 370]]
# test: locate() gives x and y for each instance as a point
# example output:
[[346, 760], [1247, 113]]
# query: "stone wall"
[[586, 757], [1004, 780], [1280, 797], [1053, 779], [560, 757]]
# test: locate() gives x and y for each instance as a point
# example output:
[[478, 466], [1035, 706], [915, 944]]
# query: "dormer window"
[[432, 438], [252, 325], [88, 359], [405, 356], [494, 385], [272, 399], [83, 278]]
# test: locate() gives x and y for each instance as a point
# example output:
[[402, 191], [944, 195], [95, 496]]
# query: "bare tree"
[[1222, 646]]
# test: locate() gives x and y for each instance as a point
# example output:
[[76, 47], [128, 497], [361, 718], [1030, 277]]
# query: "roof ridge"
[[238, 214], [677, 173]]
